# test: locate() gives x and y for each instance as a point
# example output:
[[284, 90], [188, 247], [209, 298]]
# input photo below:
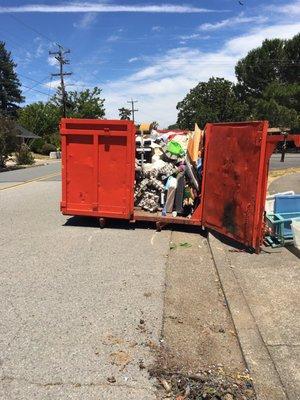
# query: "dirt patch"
[[120, 358], [197, 329], [200, 356]]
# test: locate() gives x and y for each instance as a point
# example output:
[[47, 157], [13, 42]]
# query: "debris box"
[[216, 178]]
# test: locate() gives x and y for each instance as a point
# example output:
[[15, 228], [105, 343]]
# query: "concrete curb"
[[266, 380]]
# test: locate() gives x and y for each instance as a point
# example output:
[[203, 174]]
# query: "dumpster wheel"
[[160, 225], [102, 223]]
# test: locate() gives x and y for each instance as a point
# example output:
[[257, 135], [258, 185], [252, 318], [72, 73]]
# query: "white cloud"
[[156, 28], [133, 59], [242, 44], [86, 21], [164, 82], [289, 8], [75, 7], [40, 49], [71, 84], [231, 22], [52, 84], [52, 61], [113, 38], [160, 86], [193, 36]]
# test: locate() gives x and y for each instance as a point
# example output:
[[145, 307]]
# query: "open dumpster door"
[[235, 180]]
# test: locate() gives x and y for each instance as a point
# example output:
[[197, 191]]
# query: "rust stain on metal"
[[229, 217]]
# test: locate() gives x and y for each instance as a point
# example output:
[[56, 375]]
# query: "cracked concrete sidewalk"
[[263, 296]]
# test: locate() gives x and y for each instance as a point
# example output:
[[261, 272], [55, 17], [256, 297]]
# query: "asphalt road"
[[292, 160], [80, 307], [286, 183], [50, 172]]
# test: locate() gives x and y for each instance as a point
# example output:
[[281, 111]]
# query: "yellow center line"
[[41, 178]]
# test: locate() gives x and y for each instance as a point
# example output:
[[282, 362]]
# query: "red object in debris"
[[177, 131], [172, 132], [98, 172]]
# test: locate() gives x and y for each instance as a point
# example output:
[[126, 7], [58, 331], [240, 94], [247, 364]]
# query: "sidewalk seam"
[[227, 303], [236, 282]]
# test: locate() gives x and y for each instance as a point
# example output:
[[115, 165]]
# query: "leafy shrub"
[[8, 139], [47, 148], [55, 139], [24, 155], [36, 145]]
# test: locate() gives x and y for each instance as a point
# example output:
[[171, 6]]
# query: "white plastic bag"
[[296, 232]]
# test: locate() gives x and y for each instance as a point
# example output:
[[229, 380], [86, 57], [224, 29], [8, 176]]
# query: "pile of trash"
[[168, 171], [215, 384]]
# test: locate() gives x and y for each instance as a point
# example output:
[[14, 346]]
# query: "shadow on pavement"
[[93, 222], [232, 243], [293, 250]]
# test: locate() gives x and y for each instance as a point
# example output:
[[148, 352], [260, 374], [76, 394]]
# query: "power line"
[[34, 86], [59, 55], [33, 80], [50, 84], [36, 90], [32, 29], [30, 88], [9, 38]]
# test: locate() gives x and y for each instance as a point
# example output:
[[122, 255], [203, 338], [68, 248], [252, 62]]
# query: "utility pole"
[[133, 110], [60, 57]]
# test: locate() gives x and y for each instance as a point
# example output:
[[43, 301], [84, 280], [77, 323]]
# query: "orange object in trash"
[[195, 144]]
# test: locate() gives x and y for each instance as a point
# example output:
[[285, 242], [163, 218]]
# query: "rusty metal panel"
[[234, 180], [98, 167]]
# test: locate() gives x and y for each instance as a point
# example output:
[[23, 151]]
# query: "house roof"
[[24, 133]]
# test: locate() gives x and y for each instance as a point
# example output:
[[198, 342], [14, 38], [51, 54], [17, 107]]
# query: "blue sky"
[[152, 51]]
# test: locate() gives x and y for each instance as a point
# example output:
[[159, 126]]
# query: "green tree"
[[173, 126], [82, 104], [40, 118], [10, 91], [260, 67], [277, 115], [124, 113], [8, 139], [292, 50], [268, 80], [212, 101]]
